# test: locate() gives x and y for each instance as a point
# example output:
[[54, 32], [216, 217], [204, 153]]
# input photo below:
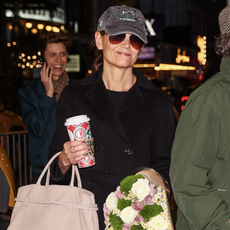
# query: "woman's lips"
[[123, 53]]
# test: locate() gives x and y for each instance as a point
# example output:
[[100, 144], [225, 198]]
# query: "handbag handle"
[[47, 168]]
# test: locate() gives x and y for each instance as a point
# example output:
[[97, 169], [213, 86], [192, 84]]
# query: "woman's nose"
[[58, 58], [126, 41]]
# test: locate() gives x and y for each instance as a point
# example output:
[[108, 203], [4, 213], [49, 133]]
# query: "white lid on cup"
[[76, 120]]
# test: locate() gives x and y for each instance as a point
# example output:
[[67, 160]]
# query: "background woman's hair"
[[98, 54], [51, 37], [222, 45]]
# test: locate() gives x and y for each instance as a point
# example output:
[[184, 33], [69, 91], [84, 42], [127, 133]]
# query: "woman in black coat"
[[132, 121]]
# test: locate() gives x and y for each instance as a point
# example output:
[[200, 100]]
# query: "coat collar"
[[99, 97], [225, 67]]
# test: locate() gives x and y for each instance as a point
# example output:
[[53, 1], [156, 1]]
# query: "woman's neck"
[[118, 79]]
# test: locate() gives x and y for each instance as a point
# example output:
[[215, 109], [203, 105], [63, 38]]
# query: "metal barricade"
[[16, 146]]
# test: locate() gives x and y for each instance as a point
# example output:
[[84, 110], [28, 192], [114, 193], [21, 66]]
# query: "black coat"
[[139, 132]]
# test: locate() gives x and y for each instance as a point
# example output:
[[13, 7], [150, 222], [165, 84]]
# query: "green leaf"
[[150, 211], [115, 221], [122, 203], [137, 227], [127, 182]]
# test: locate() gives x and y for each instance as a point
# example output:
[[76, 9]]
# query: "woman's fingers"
[[50, 75], [46, 79], [42, 72], [47, 69], [75, 151]]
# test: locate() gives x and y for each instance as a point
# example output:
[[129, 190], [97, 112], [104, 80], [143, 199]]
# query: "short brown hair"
[[51, 37], [222, 45]]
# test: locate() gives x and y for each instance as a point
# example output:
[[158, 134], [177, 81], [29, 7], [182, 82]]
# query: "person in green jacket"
[[200, 165], [38, 99]]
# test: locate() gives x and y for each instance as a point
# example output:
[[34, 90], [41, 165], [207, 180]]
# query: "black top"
[[116, 96]]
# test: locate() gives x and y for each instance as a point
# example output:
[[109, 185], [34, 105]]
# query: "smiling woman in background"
[[38, 99], [132, 121]]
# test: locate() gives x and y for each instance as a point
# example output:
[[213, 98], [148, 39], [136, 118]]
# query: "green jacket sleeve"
[[193, 169]]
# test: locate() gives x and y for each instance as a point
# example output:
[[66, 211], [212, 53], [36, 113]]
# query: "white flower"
[[141, 189], [128, 214], [111, 201], [158, 223]]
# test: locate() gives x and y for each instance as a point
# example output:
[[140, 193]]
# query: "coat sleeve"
[[35, 110], [194, 152], [59, 138], [60, 135], [162, 141]]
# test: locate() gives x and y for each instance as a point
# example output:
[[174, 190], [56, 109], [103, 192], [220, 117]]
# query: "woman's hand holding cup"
[[72, 153], [80, 150]]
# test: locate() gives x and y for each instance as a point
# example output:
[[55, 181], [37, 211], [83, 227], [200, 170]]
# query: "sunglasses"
[[135, 42]]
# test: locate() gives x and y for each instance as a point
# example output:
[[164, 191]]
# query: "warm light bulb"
[[48, 28], [29, 25], [34, 31], [40, 26], [55, 29]]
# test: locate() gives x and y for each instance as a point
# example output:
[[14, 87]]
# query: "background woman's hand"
[[72, 153], [46, 79]]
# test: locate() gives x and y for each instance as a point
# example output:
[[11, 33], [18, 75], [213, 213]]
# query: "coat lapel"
[[101, 101], [98, 96], [132, 99]]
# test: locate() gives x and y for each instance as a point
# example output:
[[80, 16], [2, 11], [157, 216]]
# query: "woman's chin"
[[56, 77]]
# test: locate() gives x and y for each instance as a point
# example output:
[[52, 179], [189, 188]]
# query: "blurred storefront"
[[172, 55], [179, 65], [169, 62], [21, 24]]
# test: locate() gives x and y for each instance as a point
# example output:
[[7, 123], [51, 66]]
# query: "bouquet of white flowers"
[[138, 204]]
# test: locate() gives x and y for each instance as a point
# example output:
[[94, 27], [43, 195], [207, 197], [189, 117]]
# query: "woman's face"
[[56, 57], [122, 55]]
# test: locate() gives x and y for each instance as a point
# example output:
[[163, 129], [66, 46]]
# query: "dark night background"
[[177, 24]]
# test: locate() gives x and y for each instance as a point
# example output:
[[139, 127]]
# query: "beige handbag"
[[54, 207]]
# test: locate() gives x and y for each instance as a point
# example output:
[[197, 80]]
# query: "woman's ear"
[[98, 40]]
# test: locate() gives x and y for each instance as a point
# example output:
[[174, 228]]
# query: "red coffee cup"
[[78, 128]]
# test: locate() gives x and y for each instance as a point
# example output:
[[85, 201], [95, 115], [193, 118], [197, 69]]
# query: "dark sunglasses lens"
[[136, 42], [116, 39]]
